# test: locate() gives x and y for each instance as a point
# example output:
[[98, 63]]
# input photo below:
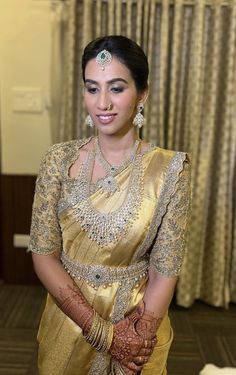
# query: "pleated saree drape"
[[191, 50]]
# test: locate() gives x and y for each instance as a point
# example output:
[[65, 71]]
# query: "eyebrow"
[[109, 82]]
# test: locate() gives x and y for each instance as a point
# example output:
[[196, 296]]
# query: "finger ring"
[[145, 344]]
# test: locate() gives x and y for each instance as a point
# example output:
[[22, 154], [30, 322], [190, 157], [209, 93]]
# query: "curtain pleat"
[[88, 28], [225, 206], [139, 21], [162, 86], [191, 107], [174, 72], [149, 21], [176, 119], [129, 18], [111, 17], [98, 24], [232, 271], [67, 123], [118, 15], [58, 22]]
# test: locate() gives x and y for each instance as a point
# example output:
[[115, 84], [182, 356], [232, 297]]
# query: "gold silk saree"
[[145, 226]]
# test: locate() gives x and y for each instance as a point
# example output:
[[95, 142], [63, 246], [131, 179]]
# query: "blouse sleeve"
[[168, 249], [45, 233]]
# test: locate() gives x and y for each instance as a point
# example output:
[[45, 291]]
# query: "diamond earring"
[[139, 119], [89, 121]]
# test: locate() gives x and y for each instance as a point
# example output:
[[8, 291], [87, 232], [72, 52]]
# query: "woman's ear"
[[143, 96]]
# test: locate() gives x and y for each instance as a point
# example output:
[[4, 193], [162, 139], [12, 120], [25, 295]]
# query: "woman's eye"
[[92, 90], [116, 90]]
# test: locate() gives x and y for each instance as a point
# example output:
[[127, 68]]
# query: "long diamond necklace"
[[108, 184], [104, 228]]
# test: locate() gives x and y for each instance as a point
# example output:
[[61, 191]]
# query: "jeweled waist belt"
[[97, 275]]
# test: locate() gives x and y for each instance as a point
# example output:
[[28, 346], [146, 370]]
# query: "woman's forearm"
[[159, 293], [157, 298], [63, 289]]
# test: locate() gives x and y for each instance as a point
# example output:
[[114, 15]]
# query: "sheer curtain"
[[191, 50]]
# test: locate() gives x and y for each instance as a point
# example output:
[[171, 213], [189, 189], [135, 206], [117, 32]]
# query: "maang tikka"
[[139, 119], [103, 58]]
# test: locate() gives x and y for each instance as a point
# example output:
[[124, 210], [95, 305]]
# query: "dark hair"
[[126, 51]]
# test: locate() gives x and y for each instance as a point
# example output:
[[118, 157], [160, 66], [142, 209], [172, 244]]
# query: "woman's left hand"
[[127, 343], [147, 325], [141, 358]]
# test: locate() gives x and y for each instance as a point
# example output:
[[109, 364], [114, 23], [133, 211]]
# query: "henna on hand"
[[127, 343], [148, 325], [127, 371], [72, 302]]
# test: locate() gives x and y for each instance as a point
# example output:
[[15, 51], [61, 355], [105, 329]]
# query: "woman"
[[108, 226]]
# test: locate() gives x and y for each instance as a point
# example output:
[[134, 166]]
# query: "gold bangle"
[[110, 337], [100, 335], [91, 334]]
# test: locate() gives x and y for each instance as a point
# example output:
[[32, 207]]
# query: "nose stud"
[[109, 107]]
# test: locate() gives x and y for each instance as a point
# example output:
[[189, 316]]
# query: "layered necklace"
[[104, 228], [109, 184]]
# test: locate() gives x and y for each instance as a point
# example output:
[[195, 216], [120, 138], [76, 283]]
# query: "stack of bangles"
[[100, 335]]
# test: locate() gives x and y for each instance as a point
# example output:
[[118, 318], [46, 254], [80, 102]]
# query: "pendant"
[[108, 184]]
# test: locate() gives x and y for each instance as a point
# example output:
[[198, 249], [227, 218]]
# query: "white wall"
[[25, 40]]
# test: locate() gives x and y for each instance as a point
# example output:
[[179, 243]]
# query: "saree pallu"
[[112, 277]]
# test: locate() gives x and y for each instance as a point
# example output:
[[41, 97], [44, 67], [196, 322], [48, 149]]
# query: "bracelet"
[[116, 368], [100, 335]]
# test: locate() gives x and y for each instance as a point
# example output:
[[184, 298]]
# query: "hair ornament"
[[103, 58]]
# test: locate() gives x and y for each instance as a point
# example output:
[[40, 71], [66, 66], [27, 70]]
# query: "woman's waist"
[[98, 275]]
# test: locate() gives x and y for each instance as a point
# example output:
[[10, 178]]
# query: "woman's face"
[[114, 86]]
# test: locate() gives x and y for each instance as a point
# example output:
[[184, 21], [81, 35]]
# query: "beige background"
[[25, 41]]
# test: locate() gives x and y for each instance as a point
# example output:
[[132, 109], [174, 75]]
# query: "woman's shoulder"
[[60, 156], [66, 148], [167, 155]]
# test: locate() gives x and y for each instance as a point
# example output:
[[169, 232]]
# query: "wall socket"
[[21, 240]]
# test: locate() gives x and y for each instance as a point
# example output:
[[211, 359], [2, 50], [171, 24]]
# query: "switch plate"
[[21, 240], [27, 99]]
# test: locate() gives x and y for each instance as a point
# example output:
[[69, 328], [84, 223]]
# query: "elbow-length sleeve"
[[168, 249], [45, 233]]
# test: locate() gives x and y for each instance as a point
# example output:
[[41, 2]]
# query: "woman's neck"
[[114, 145], [116, 149]]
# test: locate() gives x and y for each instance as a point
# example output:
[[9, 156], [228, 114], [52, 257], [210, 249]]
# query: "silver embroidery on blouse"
[[175, 167], [45, 233], [168, 249]]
